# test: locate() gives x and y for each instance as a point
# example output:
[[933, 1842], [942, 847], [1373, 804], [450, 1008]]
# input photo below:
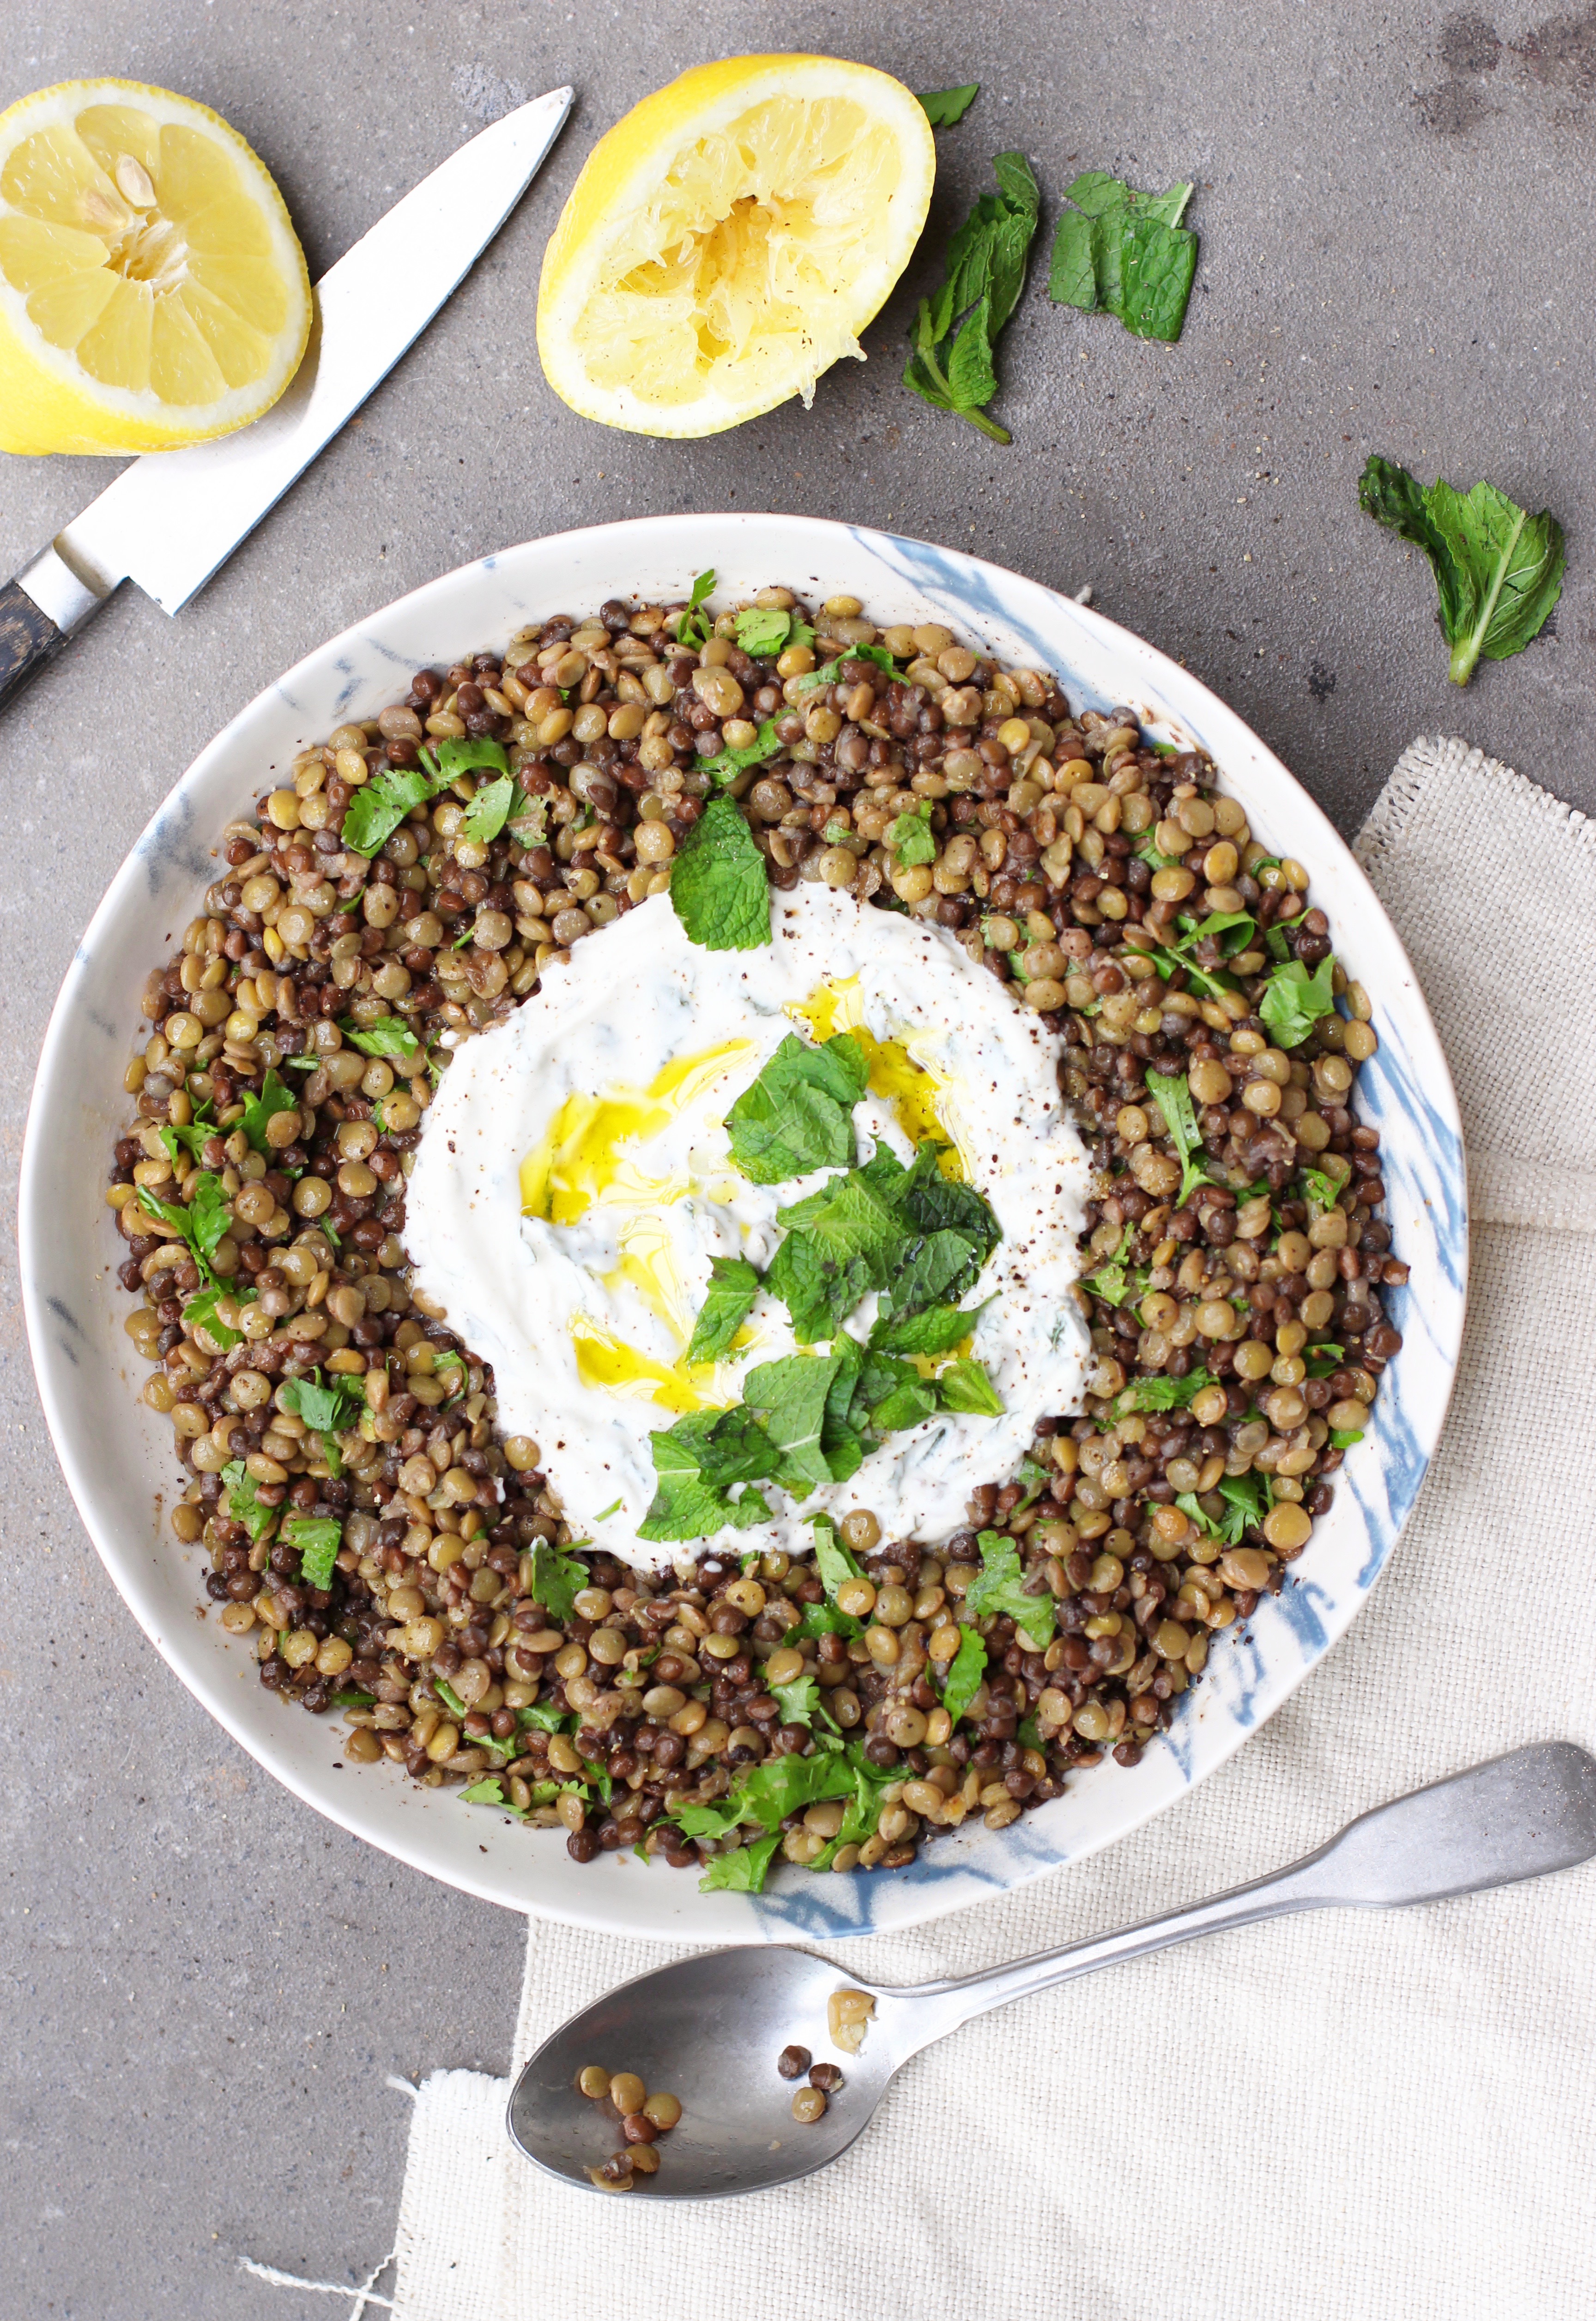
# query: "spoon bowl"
[[708, 2028]]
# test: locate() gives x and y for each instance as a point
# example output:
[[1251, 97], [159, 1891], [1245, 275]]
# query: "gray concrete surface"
[[205, 1986]]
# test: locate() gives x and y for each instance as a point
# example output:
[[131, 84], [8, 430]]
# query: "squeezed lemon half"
[[152, 292], [729, 239]]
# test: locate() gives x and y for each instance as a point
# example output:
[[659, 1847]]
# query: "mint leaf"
[[692, 629], [242, 1504], [935, 1331], [555, 1580], [999, 1587], [964, 1386], [792, 1394], [389, 1036], [1293, 1000], [718, 888], [696, 1461], [796, 1115], [1173, 1096], [1498, 571], [317, 1538], [944, 106], [1125, 253], [906, 1404], [817, 1293], [964, 1677], [733, 1285], [910, 836], [488, 811], [951, 364], [273, 1098], [743, 1869]]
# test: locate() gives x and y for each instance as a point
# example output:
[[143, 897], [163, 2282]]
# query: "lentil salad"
[[391, 1555]]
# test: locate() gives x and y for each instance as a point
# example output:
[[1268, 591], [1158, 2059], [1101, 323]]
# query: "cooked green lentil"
[[1066, 849]]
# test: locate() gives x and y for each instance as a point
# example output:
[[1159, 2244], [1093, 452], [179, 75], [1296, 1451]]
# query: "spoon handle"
[[1514, 1818]]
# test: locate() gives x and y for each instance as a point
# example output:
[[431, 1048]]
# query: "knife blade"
[[171, 518]]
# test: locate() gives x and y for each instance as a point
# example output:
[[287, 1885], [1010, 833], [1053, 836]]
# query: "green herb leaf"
[[1293, 1000], [1173, 1096], [944, 106], [964, 1386], [792, 1394], [824, 1620], [698, 1460], [449, 1697], [763, 631], [317, 1538], [951, 364], [243, 1506], [935, 1331], [998, 1586], [273, 1098], [544, 1719], [833, 1561], [389, 1036], [798, 1115], [1162, 1392], [799, 1703], [200, 1313], [1248, 1498], [490, 1792], [964, 1677], [692, 629], [726, 763], [786, 1785], [910, 836], [488, 811], [718, 887], [379, 806], [733, 1285], [202, 1221], [1499, 570], [1109, 1280], [555, 1580], [1344, 1437], [743, 1869], [325, 1409], [1125, 253]]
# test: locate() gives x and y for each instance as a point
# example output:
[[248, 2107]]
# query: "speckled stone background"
[[203, 1986]]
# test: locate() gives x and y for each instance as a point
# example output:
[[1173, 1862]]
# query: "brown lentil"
[[1063, 859]]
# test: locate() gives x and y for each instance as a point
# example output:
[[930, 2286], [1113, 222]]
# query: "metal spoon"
[[710, 2027]]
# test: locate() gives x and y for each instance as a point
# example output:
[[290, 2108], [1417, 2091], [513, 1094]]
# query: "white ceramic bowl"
[[117, 1454]]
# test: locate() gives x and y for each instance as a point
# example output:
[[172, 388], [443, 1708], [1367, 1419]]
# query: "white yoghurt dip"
[[601, 1103]]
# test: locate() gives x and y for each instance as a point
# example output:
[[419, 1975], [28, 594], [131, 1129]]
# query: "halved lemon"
[[152, 291], [729, 239]]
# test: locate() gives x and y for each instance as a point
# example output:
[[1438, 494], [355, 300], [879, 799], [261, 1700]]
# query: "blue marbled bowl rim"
[[1406, 1090]]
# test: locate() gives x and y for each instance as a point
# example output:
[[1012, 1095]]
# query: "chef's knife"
[[172, 517]]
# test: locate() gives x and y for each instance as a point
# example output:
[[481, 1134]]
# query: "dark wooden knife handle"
[[28, 639]]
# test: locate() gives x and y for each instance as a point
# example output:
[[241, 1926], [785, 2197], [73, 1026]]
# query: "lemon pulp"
[[152, 289], [729, 239]]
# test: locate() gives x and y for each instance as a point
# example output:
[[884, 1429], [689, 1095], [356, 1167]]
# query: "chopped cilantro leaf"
[[998, 1586], [242, 1504], [1293, 1000], [964, 1675], [555, 1580], [743, 1869], [911, 840], [273, 1098], [692, 628], [488, 811], [1173, 1096], [389, 1035], [317, 1538]]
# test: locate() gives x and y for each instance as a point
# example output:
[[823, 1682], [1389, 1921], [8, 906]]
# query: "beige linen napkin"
[[1346, 2115]]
